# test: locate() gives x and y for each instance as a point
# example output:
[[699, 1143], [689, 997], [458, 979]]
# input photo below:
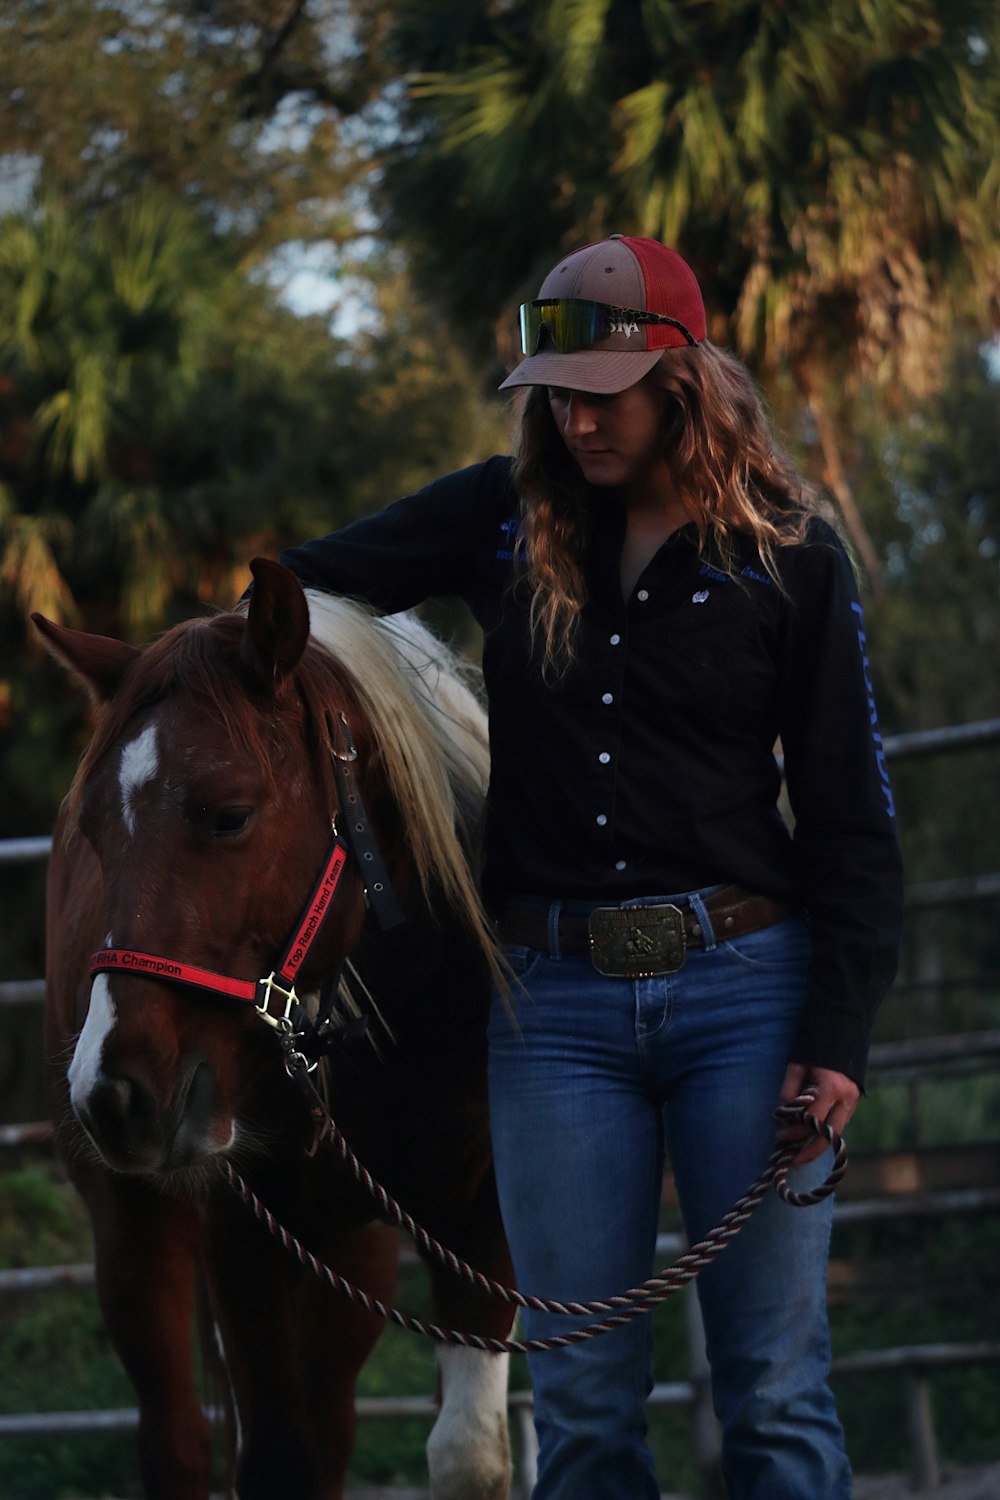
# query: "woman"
[[660, 604]]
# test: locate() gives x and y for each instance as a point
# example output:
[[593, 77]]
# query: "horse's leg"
[[145, 1248], [468, 1451], [293, 1349], [340, 1339], [434, 1129]]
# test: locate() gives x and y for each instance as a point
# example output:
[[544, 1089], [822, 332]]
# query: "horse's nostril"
[[203, 1096], [119, 1115], [195, 1137]]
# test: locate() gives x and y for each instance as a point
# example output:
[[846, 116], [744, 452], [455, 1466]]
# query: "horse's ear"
[[277, 624], [101, 661]]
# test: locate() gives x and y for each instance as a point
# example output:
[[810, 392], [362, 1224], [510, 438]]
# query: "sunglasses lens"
[[570, 323]]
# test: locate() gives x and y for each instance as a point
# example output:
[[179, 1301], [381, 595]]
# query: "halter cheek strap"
[[379, 893]]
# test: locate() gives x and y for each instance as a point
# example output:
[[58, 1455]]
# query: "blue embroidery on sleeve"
[[880, 761]]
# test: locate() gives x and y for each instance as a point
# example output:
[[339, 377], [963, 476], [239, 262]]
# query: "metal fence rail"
[[22, 851]]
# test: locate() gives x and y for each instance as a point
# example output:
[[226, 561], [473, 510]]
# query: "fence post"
[[923, 1438]]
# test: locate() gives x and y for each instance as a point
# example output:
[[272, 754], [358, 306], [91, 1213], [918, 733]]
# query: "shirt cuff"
[[831, 1038]]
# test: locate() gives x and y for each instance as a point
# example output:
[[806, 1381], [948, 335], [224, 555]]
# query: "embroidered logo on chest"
[[508, 535]]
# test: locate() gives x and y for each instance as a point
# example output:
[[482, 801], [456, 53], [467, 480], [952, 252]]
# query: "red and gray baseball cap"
[[604, 315]]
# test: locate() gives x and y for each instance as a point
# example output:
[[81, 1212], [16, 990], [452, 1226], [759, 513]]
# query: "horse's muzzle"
[[134, 1134]]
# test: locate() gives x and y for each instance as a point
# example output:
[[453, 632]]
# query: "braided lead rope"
[[635, 1303]]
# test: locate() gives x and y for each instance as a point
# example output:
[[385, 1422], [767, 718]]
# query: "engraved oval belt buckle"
[[637, 942]]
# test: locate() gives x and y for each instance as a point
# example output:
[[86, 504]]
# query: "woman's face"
[[616, 440]]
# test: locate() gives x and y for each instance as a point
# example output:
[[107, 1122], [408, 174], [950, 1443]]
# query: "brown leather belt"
[[633, 942]]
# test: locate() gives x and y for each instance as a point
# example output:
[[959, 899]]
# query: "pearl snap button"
[[602, 820], [604, 757], [607, 697], [643, 594]]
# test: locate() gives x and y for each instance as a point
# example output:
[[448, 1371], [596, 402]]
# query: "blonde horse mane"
[[419, 697]]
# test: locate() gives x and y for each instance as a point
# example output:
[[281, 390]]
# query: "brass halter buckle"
[[637, 942]]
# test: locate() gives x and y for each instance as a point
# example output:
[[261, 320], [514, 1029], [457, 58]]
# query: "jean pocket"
[[519, 960], [785, 945]]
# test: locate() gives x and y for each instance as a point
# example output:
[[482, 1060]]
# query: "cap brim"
[[601, 372]]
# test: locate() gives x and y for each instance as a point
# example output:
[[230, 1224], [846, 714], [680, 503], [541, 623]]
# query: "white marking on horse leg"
[[468, 1452], [86, 1064], [237, 1424], [139, 763]]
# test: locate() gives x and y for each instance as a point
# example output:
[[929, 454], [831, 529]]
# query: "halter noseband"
[[273, 997]]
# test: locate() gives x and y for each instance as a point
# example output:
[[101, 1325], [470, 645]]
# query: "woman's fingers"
[[836, 1098]]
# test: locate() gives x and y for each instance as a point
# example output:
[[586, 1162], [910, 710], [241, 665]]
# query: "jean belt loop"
[[555, 910], [704, 921]]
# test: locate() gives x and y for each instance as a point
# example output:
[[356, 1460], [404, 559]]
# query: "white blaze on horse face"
[[468, 1452], [86, 1064], [139, 764]]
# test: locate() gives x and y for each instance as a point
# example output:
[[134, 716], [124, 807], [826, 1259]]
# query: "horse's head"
[[206, 796]]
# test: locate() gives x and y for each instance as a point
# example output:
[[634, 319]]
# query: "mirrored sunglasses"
[[573, 323]]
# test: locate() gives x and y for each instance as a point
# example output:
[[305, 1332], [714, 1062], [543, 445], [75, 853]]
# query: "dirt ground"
[[980, 1483]]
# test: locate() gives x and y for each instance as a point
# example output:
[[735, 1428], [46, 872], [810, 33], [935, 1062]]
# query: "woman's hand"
[[835, 1102]]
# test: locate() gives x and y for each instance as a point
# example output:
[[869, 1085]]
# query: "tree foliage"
[[237, 105], [931, 489], [831, 170], [935, 482], [163, 418]]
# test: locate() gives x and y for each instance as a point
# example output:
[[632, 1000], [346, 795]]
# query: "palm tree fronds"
[[29, 572]]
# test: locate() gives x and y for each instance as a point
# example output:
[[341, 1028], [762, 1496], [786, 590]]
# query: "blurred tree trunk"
[[835, 478]]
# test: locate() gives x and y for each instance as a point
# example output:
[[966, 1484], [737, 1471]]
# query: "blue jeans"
[[598, 1074]]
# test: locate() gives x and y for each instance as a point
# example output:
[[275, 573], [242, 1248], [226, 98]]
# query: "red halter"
[[256, 992], [304, 1041]]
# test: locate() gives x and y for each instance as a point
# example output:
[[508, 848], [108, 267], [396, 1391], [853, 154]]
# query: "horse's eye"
[[228, 821]]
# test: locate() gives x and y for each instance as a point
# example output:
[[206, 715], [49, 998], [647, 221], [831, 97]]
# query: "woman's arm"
[[423, 545], [845, 841]]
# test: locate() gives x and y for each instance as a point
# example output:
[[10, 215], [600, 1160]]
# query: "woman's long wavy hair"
[[730, 475]]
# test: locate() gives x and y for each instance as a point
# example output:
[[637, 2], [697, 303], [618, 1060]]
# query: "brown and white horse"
[[194, 832]]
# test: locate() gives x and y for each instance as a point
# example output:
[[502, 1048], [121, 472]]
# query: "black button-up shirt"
[[650, 768]]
